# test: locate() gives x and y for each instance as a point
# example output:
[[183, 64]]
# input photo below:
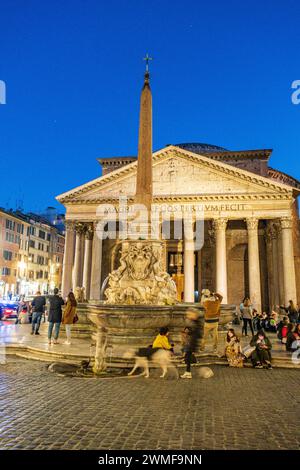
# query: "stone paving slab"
[[236, 409]]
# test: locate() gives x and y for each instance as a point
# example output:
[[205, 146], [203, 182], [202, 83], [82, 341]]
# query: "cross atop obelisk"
[[147, 58], [143, 193]]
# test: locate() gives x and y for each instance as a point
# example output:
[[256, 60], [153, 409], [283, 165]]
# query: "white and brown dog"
[[146, 356]]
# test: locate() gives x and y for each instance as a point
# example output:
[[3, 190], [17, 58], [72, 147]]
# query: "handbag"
[[75, 319], [248, 350]]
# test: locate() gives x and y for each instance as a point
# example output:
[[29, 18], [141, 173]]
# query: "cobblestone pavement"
[[236, 409]]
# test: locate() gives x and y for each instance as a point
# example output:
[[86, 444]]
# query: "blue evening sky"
[[221, 74]]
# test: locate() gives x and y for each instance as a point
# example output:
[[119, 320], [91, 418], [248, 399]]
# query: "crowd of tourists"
[[258, 350], [59, 312]]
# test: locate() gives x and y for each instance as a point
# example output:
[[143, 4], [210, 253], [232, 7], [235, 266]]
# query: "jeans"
[[56, 330], [188, 360], [210, 329], [248, 321], [36, 321], [68, 332]]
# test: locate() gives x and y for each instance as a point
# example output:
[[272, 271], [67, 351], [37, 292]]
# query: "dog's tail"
[[130, 354]]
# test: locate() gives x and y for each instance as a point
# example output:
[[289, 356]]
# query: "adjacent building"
[[31, 254]]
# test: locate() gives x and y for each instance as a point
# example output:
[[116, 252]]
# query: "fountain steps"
[[34, 353]]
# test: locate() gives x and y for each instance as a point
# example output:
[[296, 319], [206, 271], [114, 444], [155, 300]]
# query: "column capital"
[[89, 231], [70, 225], [252, 223], [80, 227], [220, 224], [286, 222]]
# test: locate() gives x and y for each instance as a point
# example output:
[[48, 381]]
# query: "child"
[[162, 341]]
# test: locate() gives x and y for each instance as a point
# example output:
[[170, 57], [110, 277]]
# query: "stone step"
[[35, 353], [28, 352]]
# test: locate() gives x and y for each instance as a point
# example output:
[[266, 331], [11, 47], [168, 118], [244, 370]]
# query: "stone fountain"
[[140, 294]]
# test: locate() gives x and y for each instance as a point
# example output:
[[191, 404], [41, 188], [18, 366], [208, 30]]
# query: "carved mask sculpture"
[[139, 261]]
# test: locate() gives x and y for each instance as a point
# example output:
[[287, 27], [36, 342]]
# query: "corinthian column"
[[253, 263], [77, 273], [68, 259], [86, 283], [95, 286], [189, 272], [221, 261], [275, 263], [289, 280]]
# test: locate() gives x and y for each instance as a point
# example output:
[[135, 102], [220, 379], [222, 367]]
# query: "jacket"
[[161, 342], [193, 336], [69, 313], [247, 313], [38, 303], [212, 310], [253, 342], [55, 311]]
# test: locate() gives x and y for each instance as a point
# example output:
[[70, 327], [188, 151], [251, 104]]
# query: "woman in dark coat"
[[262, 354], [54, 316]]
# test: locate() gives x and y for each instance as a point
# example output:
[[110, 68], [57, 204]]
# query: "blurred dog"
[[146, 356]]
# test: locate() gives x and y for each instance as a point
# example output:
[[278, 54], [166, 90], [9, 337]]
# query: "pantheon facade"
[[251, 225]]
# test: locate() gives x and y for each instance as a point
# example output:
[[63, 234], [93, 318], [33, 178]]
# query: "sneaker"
[[32, 333], [55, 341], [258, 366], [269, 365], [186, 375], [67, 343], [37, 333]]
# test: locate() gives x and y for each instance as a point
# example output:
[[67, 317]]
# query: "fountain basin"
[[117, 328]]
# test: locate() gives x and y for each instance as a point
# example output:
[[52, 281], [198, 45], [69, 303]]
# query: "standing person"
[[292, 311], [262, 354], [55, 315], [38, 307], [212, 312], [247, 316], [184, 339], [69, 315], [22, 304], [193, 336], [233, 351], [255, 320]]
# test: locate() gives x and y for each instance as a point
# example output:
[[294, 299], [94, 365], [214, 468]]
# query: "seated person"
[[162, 341], [282, 328], [261, 356], [293, 337], [272, 324], [264, 321], [233, 349]]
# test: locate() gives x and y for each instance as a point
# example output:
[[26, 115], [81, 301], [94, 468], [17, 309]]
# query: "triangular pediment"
[[177, 172]]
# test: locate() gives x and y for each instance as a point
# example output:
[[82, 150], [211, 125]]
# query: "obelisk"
[[143, 193], [141, 278]]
